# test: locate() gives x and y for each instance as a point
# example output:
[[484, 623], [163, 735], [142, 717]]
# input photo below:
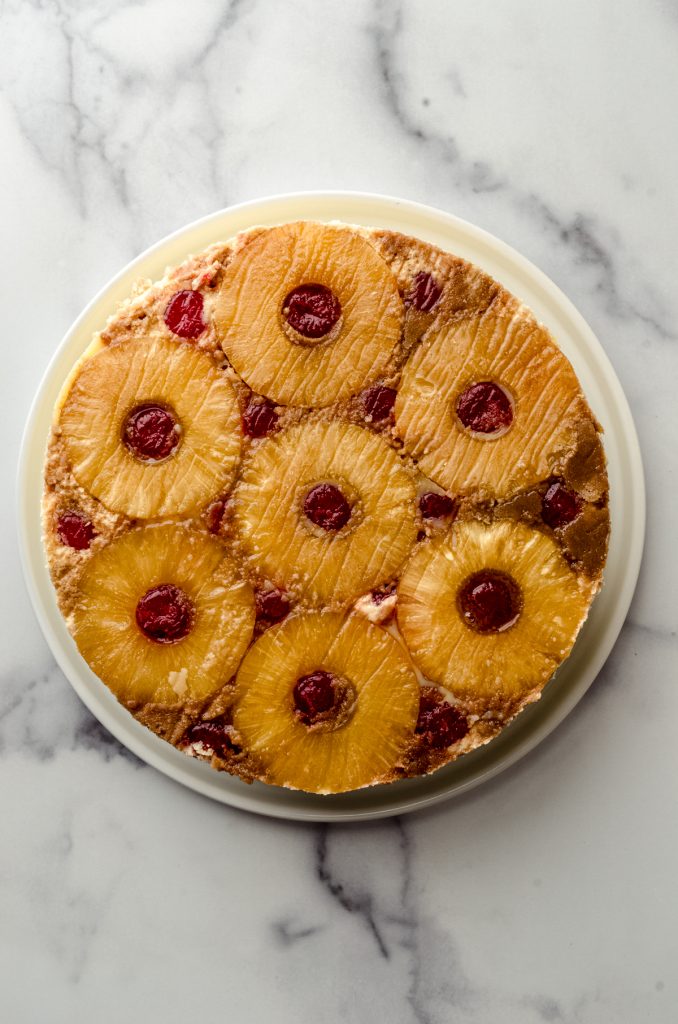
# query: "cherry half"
[[436, 506], [184, 314], [311, 310], [259, 418], [326, 506], [378, 402], [485, 408], [151, 432], [313, 695], [439, 724], [424, 293], [272, 606], [75, 531], [560, 505], [214, 734], [164, 614], [490, 601]]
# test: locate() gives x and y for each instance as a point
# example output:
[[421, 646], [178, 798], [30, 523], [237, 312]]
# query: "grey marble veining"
[[547, 895]]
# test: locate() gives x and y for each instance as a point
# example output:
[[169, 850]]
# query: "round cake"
[[324, 507]]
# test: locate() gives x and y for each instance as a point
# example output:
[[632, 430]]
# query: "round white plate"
[[627, 505]]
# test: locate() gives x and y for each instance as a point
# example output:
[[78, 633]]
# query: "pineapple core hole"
[[164, 614], [311, 310], [485, 409], [490, 601], [323, 701], [151, 432]]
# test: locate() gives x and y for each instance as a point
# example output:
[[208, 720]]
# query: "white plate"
[[627, 505]]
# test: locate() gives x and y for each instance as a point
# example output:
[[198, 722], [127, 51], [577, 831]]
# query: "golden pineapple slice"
[[327, 510], [516, 393], [152, 428], [162, 616], [308, 313], [356, 737], [490, 611]]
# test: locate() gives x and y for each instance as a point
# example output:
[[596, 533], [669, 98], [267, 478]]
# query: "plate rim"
[[267, 800]]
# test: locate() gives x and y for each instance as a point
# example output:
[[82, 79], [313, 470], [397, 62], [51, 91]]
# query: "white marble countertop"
[[547, 895]]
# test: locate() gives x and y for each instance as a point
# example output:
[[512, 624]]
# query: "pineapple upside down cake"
[[325, 507]]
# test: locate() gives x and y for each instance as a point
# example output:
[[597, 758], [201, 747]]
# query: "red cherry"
[[272, 605], [214, 734], [560, 505], [378, 402], [259, 418], [424, 293], [326, 506], [311, 310], [75, 531], [439, 724], [164, 614], [151, 432], [485, 408], [436, 506], [313, 694], [184, 314], [490, 601]]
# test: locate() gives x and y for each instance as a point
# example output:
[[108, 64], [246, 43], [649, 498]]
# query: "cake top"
[[325, 506]]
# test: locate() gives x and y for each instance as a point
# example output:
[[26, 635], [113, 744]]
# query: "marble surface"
[[547, 895]]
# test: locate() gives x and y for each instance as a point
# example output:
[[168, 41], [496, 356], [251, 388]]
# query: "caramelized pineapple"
[[152, 428], [308, 313], [326, 703], [327, 510], [162, 616], [488, 405], [490, 611]]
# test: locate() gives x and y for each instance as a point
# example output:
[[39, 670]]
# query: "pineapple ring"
[[491, 669], [105, 626], [359, 753], [518, 355], [326, 567], [248, 314], [117, 380]]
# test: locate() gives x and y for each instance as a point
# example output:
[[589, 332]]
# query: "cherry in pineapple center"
[[152, 432], [164, 614], [325, 505], [312, 310]]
